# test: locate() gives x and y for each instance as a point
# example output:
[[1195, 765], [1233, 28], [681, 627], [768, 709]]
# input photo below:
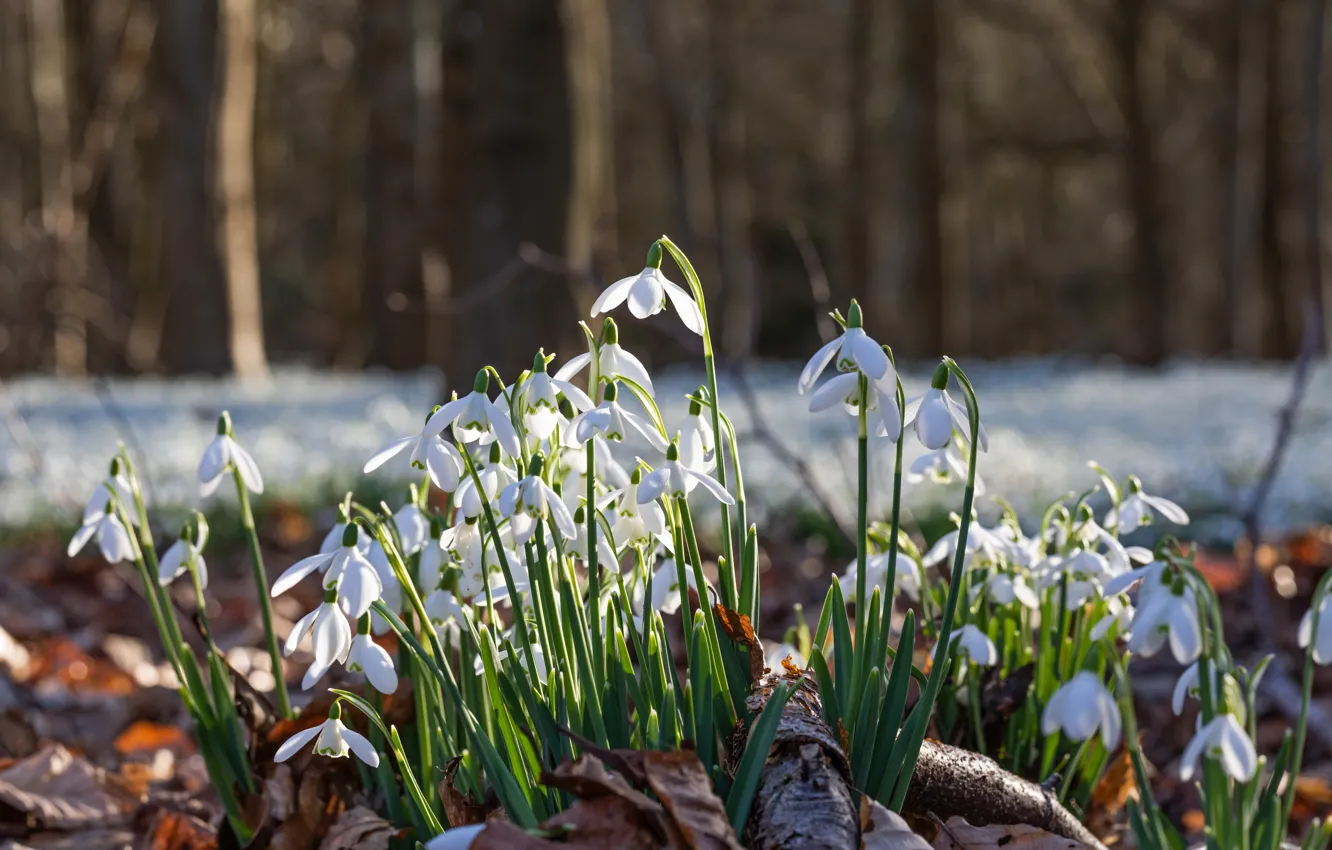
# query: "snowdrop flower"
[[1223, 739], [1085, 570], [475, 418], [1186, 686], [638, 524], [429, 452], [539, 403], [494, 476], [116, 484], [333, 539], [647, 294], [907, 577], [413, 526], [176, 560], [1152, 575], [881, 399], [1079, 707], [976, 645], [991, 546], [673, 478], [1172, 616], [112, 538], [612, 422], [936, 413], [224, 454], [1003, 588], [1138, 508], [334, 741], [346, 570], [368, 657], [444, 610], [609, 471], [576, 547], [1322, 642], [666, 596], [432, 563], [330, 633], [941, 466], [532, 499], [697, 449], [854, 351], [1118, 618]]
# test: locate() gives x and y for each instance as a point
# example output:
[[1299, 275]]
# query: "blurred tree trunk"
[[505, 167], [64, 252], [1276, 339], [919, 177], [857, 180], [235, 189], [1144, 336], [735, 201], [196, 329], [393, 290], [590, 240], [1316, 295], [1226, 330]]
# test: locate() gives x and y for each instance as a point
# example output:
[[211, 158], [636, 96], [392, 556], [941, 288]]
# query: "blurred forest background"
[[214, 185]]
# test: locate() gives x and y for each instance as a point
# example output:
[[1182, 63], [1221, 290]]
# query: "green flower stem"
[[261, 589], [519, 616], [593, 573], [1306, 694], [890, 579], [942, 649], [193, 565], [862, 511], [710, 364], [553, 640], [705, 604], [151, 591], [390, 733]]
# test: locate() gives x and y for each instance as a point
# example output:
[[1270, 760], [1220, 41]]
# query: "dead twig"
[[818, 279]]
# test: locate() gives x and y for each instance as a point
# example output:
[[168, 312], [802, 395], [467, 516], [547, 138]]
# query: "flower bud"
[[939, 380], [654, 255], [115, 467], [854, 318]]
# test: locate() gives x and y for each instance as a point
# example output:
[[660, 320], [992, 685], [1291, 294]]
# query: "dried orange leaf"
[[957, 834], [358, 827], [739, 629], [682, 784], [60, 790], [144, 736]]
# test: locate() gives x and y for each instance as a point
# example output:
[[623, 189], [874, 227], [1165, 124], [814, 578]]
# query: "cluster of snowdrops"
[[535, 600]]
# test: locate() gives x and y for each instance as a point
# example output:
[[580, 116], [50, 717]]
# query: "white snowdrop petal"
[[293, 745]]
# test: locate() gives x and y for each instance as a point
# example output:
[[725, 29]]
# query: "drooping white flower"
[[528, 501], [983, 544], [430, 452], [368, 657], [697, 449], [444, 610], [494, 475], [1118, 618], [1185, 686], [936, 413], [223, 455], [673, 478], [539, 400], [1322, 641], [907, 577], [610, 421], [1079, 707], [335, 740], [854, 352], [1137, 508], [390, 592], [647, 293], [880, 396], [976, 645], [331, 637], [638, 524], [1168, 616], [942, 466], [116, 484], [333, 539], [1080, 574], [175, 562], [1152, 575], [1224, 739], [413, 526], [346, 570], [1003, 589], [576, 546], [112, 538], [430, 569], [573, 465], [476, 419], [666, 595]]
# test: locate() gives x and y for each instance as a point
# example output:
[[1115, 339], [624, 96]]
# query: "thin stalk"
[[1306, 694], [862, 510], [593, 573], [261, 589], [151, 587], [890, 579]]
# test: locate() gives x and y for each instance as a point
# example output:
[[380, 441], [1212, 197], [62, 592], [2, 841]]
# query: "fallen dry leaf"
[[957, 834], [144, 736], [1117, 785], [884, 829], [588, 779], [739, 629], [55, 789], [680, 782], [461, 809], [606, 823], [359, 828], [179, 831]]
